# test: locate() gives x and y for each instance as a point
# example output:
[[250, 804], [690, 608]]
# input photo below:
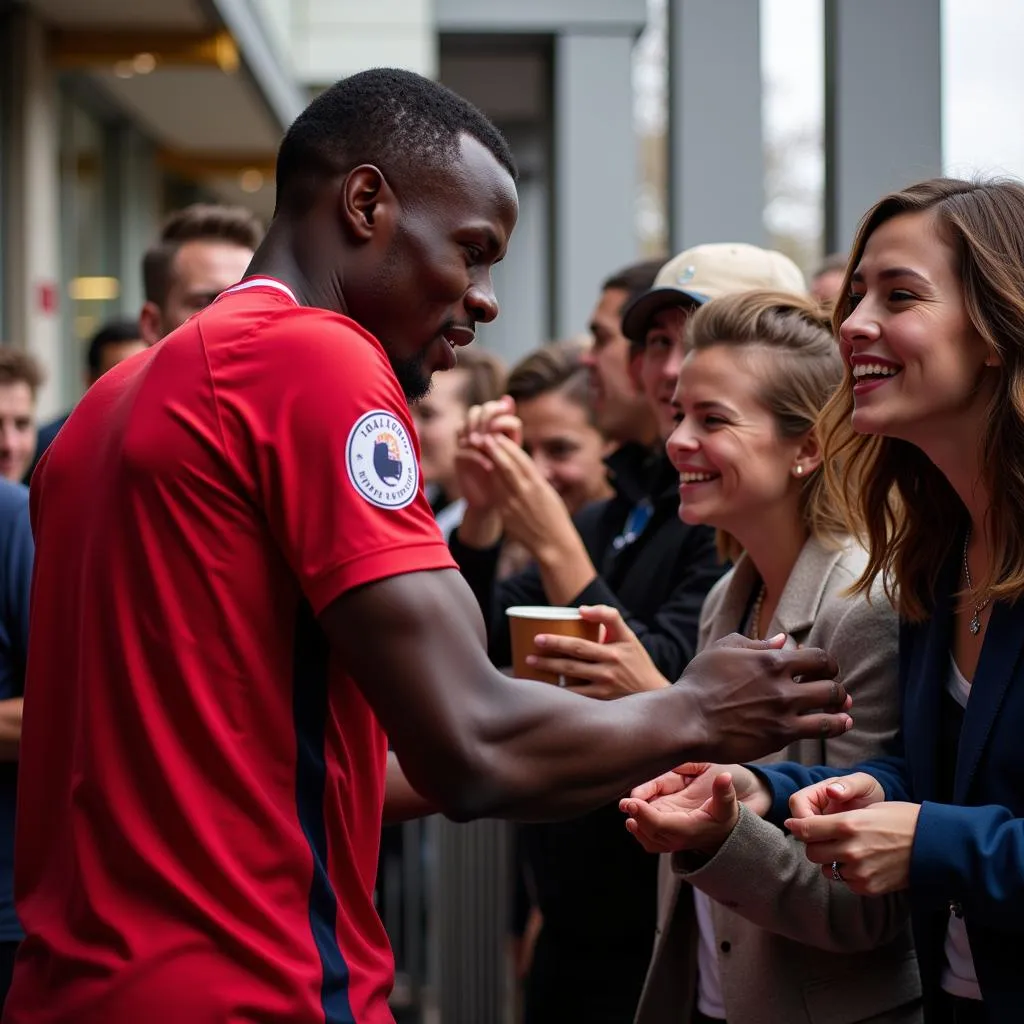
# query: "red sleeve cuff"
[[377, 565]]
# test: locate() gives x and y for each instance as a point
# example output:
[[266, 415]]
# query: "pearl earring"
[[799, 470]]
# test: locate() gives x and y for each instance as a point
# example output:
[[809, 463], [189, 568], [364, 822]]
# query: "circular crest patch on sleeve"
[[381, 460]]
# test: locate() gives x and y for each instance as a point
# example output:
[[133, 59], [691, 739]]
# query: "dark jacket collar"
[[639, 473]]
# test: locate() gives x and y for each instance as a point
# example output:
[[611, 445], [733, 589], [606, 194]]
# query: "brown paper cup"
[[527, 621]]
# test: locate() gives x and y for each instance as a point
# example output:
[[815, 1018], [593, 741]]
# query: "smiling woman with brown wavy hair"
[[898, 494]]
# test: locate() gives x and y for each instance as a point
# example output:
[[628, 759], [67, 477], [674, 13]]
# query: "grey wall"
[[595, 169], [716, 157], [883, 117]]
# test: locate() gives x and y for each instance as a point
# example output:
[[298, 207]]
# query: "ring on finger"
[[837, 875]]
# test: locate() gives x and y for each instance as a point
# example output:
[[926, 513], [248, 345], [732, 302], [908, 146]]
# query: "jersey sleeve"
[[333, 457]]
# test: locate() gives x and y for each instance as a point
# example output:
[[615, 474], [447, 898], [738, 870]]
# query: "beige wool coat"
[[793, 946]]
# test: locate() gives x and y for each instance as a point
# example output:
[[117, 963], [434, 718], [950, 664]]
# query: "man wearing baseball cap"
[[595, 887], [655, 322]]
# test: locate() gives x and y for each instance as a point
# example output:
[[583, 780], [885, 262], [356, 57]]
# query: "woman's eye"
[[711, 421], [901, 295], [853, 299]]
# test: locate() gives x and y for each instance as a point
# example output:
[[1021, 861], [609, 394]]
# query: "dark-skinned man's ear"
[[365, 196]]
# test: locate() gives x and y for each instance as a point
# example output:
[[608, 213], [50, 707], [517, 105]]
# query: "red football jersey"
[[200, 782]]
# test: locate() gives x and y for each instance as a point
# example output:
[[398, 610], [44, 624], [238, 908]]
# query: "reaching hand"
[[689, 787], [751, 702], [661, 827], [868, 848], [845, 793], [614, 668]]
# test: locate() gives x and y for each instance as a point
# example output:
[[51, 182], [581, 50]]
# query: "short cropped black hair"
[[396, 120], [114, 333], [635, 279]]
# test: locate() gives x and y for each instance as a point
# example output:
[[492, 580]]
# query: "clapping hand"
[[482, 524], [532, 511]]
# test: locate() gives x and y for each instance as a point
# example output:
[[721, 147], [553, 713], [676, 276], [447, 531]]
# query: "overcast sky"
[[983, 72], [983, 77], [983, 88], [983, 93]]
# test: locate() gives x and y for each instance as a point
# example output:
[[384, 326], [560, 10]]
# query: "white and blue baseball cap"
[[706, 272]]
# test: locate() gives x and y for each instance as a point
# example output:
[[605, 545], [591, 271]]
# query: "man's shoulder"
[[281, 342], [243, 315]]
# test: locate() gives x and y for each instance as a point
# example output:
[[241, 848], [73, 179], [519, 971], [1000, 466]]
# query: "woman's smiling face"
[[916, 358], [733, 463]]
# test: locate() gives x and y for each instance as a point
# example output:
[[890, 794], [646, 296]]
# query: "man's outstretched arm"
[[476, 743]]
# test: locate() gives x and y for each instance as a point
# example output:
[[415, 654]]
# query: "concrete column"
[[716, 147], [883, 105], [522, 280], [595, 158], [137, 213], [32, 292]]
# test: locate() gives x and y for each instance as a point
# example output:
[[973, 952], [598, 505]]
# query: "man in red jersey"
[[240, 589]]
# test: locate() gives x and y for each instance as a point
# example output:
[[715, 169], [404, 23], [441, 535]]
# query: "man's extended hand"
[[754, 698]]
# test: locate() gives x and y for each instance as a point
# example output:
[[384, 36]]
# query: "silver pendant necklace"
[[975, 624], [754, 620]]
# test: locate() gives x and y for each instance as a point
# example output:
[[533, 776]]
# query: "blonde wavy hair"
[[895, 498], [802, 371]]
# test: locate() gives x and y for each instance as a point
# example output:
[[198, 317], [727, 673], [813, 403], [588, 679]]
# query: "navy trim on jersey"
[[309, 703]]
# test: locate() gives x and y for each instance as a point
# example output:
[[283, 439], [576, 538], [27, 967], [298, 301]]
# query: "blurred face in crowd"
[[438, 417], [619, 408], [919, 364], [826, 287], [734, 467], [660, 362], [200, 271], [17, 429], [565, 446], [115, 352]]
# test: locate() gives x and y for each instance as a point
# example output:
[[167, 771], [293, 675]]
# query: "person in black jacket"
[[595, 891]]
